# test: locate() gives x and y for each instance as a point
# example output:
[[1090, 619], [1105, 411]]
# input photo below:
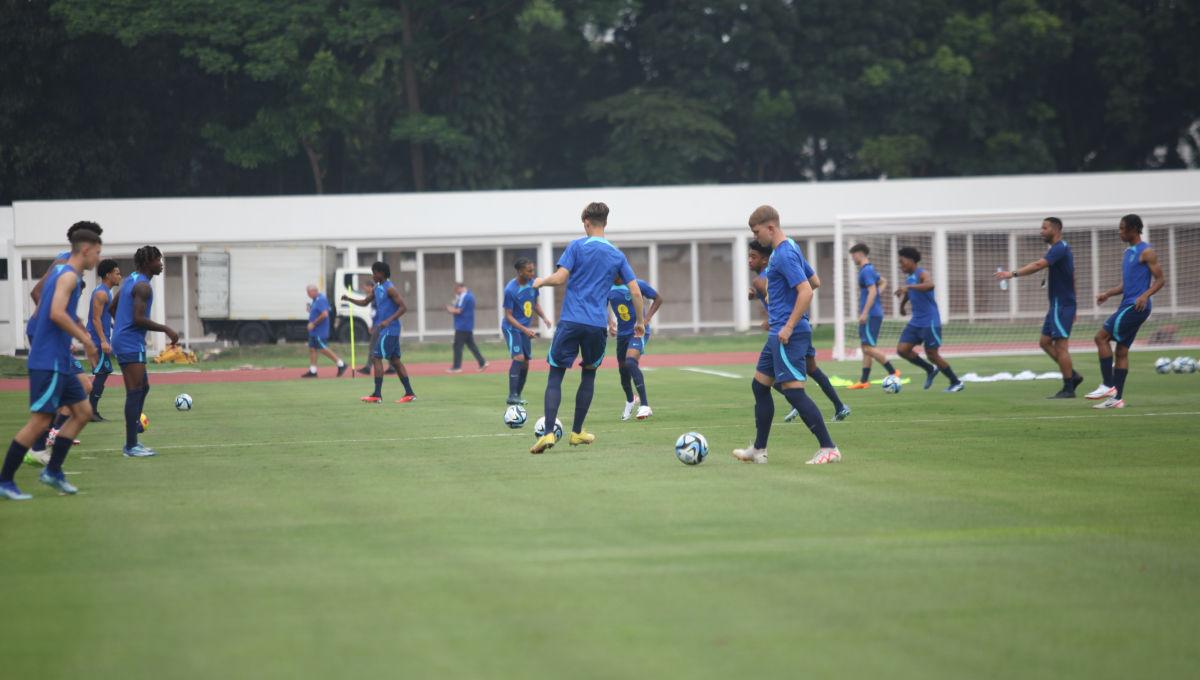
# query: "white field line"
[[748, 425], [705, 371]]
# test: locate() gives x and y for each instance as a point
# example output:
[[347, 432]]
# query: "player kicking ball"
[[587, 269], [52, 381], [385, 335], [783, 358], [1141, 278]]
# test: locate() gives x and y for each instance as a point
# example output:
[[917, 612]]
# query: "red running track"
[[188, 377]]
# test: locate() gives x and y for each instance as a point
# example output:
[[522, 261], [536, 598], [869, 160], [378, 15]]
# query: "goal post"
[[980, 316]]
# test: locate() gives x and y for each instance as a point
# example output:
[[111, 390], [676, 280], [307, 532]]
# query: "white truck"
[[256, 294]]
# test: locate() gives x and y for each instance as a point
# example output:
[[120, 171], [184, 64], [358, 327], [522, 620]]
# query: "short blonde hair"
[[763, 214]]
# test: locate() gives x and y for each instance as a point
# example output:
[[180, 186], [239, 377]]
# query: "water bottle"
[[1003, 282]]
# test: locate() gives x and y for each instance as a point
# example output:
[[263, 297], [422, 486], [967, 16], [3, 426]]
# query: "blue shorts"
[[930, 336], [1058, 321], [628, 342], [136, 357], [518, 343], [105, 366], [1123, 325], [317, 343], [77, 366], [387, 346], [49, 390], [576, 339], [868, 333], [786, 363]]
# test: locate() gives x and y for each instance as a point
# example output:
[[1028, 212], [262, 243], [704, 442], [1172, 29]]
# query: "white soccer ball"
[[1163, 365], [1184, 365], [539, 428], [183, 402], [691, 448], [515, 416], [891, 384]]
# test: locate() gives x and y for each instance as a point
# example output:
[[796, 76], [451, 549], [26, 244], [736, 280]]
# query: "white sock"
[[312, 368], [341, 364]]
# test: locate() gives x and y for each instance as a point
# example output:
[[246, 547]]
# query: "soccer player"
[[925, 326], [318, 333], [463, 309], [135, 298], [587, 268], [40, 454], [1141, 278], [51, 381], [99, 327], [1056, 329], [758, 258], [520, 306], [784, 356], [870, 314], [385, 335], [629, 348]]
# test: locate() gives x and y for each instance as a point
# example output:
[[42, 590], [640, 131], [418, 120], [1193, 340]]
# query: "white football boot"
[[1102, 392], [751, 455], [644, 412]]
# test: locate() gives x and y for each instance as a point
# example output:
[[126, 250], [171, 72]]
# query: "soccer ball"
[[515, 416], [691, 448], [891, 384], [143, 423], [1184, 365], [183, 402], [539, 428], [1163, 365]]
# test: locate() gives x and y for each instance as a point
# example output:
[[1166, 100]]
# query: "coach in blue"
[[463, 309]]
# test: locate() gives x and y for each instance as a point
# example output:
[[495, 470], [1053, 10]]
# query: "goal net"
[[982, 316]]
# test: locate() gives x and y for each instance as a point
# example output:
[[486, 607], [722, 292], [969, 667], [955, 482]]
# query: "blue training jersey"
[[593, 262], [384, 307], [31, 324], [1061, 274], [465, 320], [128, 338], [868, 278], [319, 304], [51, 350], [106, 320], [620, 300], [1135, 274], [519, 299], [924, 304], [786, 269]]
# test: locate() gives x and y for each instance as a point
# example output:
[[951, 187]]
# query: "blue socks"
[[408, 391], [949, 373], [12, 461], [920, 363], [583, 398], [810, 414], [133, 410], [98, 381], [514, 378], [821, 379], [1106, 370], [378, 387], [626, 381], [524, 377], [634, 368], [764, 413], [1119, 375], [866, 374], [553, 395], [58, 454]]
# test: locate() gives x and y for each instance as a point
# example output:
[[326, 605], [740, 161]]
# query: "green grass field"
[[289, 531]]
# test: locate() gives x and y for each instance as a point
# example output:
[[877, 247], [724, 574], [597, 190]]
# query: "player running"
[[1056, 329], [99, 327], [385, 334], [132, 319], [925, 326], [1141, 278], [870, 314], [630, 348], [318, 333], [52, 382], [518, 327], [587, 268], [783, 358]]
